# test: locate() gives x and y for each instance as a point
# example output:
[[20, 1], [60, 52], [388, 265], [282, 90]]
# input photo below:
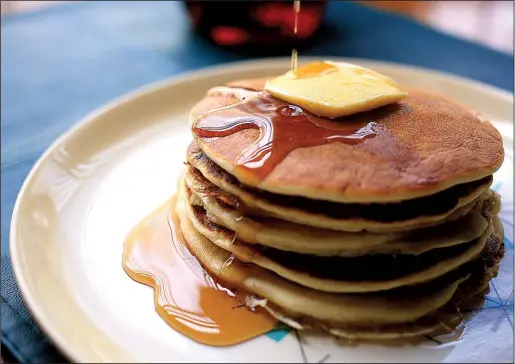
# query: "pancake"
[[375, 217], [440, 322], [426, 144], [398, 313], [379, 308], [487, 267], [401, 305], [286, 236], [339, 274], [376, 226]]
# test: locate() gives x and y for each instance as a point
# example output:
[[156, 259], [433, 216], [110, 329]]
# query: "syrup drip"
[[283, 128], [294, 55], [296, 9], [185, 296], [294, 60]]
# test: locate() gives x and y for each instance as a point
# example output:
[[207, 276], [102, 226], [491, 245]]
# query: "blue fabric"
[[60, 63]]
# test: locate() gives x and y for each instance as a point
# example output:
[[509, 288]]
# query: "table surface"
[[58, 64]]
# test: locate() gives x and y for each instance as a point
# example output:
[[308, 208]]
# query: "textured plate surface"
[[113, 168]]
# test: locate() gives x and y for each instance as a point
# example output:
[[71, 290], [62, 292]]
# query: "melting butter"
[[334, 89]]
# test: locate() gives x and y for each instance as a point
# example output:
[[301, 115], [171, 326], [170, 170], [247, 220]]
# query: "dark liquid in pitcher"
[[240, 24]]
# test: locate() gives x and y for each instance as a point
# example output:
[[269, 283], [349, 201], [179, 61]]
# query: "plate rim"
[[44, 322]]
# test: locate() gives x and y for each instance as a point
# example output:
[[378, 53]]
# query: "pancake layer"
[[339, 274], [377, 217], [426, 144], [277, 233]]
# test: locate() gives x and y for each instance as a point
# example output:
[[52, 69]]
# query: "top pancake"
[[428, 143]]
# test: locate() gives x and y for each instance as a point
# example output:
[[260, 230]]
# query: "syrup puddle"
[[185, 295]]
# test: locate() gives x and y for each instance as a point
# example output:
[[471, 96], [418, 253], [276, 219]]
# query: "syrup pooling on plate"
[[283, 127], [185, 296]]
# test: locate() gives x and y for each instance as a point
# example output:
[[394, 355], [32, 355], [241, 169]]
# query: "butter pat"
[[334, 90]]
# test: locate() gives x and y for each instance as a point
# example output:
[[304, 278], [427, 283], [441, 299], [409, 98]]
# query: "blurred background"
[[489, 23]]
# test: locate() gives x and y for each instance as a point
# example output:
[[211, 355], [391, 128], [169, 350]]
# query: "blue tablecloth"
[[60, 63]]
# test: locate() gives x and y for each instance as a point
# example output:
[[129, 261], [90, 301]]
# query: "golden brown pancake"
[[340, 274], [381, 238], [390, 217], [347, 312], [427, 143], [441, 321], [381, 308], [283, 235]]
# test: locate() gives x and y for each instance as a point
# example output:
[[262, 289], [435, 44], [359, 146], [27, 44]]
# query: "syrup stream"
[[294, 55]]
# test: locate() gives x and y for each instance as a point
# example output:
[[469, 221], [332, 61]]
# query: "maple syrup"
[[294, 60], [185, 295], [283, 128], [294, 55], [258, 27]]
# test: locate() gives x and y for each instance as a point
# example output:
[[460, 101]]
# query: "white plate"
[[110, 170]]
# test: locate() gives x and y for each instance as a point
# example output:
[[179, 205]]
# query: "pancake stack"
[[380, 240]]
